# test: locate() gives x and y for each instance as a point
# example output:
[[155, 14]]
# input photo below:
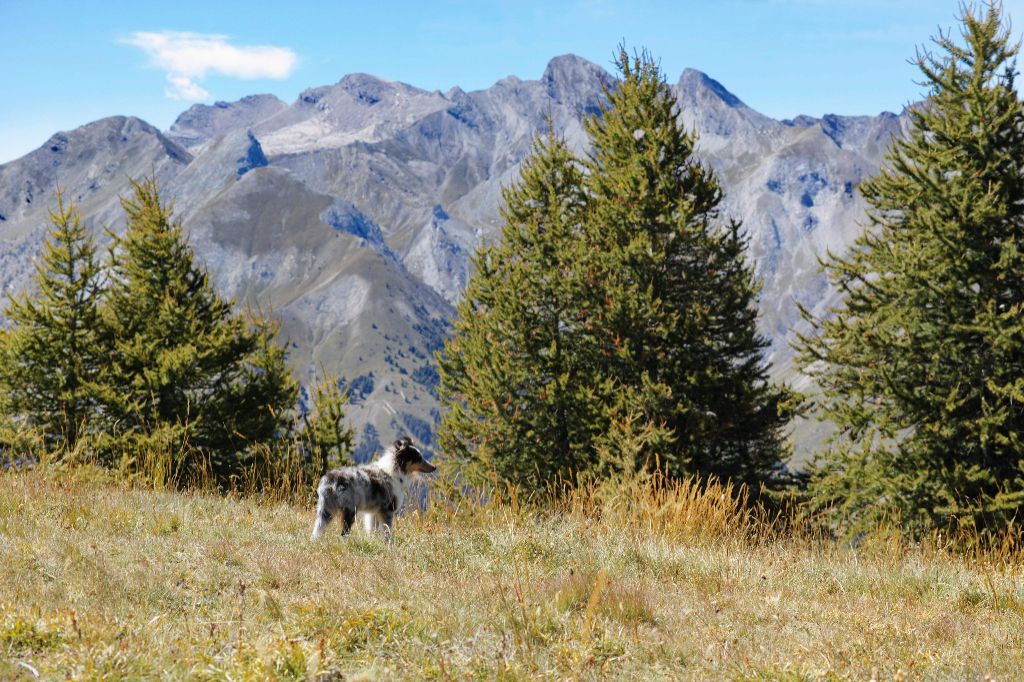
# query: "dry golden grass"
[[100, 581]]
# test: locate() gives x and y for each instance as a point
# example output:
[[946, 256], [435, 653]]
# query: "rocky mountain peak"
[[111, 134], [124, 126], [362, 88], [572, 79], [367, 89], [697, 84], [456, 94], [712, 110], [253, 102]]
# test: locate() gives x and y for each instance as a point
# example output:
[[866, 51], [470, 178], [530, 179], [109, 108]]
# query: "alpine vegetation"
[[516, 377], [921, 366], [51, 357], [612, 328], [141, 365], [184, 368]]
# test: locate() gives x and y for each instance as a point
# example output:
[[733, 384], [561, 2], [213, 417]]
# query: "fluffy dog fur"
[[376, 490]]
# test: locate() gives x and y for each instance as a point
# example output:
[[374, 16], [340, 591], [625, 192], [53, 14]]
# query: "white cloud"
[[188, 58], [182, 87]]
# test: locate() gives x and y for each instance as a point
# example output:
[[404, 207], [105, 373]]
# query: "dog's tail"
[[324, 491]]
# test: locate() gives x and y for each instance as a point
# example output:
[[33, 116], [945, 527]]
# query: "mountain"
[[352, 213]]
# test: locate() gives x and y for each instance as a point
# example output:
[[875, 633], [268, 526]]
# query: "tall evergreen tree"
[[51, 355], [679, 314], [921, 367], [513, 374], [613, 327], [184, 365]]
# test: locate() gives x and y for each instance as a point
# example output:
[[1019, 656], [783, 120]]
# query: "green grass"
[[100, 581]]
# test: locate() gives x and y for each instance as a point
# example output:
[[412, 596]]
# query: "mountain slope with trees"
[[359, 239]]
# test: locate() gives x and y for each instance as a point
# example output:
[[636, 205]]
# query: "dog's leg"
[[348, 516], [387, 524], [323, 517], [369, 522]]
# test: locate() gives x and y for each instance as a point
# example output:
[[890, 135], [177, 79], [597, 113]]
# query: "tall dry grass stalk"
[[166, 461], [708, 510], [672, 508], [279, 475]]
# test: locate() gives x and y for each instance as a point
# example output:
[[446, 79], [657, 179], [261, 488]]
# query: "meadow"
[[642, 580]]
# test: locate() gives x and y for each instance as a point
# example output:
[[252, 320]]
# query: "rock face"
[[202, 123], [352, 213]]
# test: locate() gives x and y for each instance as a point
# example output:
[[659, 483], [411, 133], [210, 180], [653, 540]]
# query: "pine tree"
[[185, 367], [513, 374], [921, 366], [324, 438], [679, 315], [50, 356], [613, 328]]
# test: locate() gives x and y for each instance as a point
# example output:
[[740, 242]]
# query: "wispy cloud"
[[188, 58]]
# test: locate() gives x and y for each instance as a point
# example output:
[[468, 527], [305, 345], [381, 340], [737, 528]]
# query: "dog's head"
[[409, 459]]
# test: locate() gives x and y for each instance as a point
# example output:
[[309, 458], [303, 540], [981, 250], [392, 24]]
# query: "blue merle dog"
[[376, 490]]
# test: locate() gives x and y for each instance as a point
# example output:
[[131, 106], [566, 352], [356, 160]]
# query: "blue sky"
[[68, 63]]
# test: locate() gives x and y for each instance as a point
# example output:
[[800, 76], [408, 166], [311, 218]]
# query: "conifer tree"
[[679, 315], [613, 327], [51, 355], [921, 366], [513, 376], [326, 441], [185, 366]]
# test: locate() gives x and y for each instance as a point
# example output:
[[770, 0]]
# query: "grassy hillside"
[[101, 581]]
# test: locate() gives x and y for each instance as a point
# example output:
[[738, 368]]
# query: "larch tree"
[[613, 327], [679, 297], [52, 353], [921, 365], [514, 375], [185, 367], [324, 439]]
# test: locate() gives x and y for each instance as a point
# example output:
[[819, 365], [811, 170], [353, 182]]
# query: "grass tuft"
[[19, 635]]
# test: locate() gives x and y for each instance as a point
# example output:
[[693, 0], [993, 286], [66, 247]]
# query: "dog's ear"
[[398, 445], [407, 440]]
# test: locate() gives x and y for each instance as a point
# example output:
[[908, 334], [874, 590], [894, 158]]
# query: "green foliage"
[[324, 438], [512, 375], [144, 368], [182, 364], [612, 329], [20, 444], [678, 319], [51, 355], [921, 367]]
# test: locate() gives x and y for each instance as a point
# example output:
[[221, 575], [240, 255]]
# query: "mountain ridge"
[[352, 212]]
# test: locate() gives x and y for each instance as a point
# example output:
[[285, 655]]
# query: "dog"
[[376, 490]]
